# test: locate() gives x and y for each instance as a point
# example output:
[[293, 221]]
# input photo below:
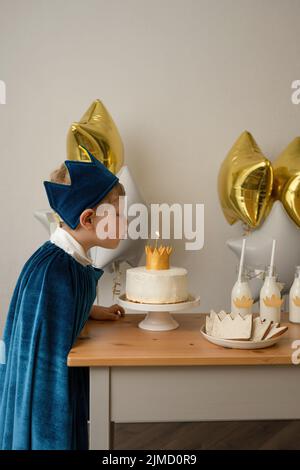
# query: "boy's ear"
[[86, 219]]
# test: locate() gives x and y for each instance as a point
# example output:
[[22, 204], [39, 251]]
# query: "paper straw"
[[272, 256], [242, 259]]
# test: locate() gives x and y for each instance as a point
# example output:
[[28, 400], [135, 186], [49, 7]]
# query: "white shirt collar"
[[66, 242]]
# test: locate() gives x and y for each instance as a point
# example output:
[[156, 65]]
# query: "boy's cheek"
[[122, 224], [120, 228], [112, 228]]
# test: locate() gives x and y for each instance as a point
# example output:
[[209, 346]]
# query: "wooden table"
[[147, 376]]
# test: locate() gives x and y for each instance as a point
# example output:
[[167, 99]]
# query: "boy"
[[43, 403]]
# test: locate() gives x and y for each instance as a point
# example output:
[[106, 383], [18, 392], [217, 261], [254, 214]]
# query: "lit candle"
[[157, 237]]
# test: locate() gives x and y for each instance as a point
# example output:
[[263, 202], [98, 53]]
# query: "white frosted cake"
[[153, 286], [157, 283]]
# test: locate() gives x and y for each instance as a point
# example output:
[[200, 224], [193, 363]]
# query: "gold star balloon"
[[97, 132], [287, 179], [245, 182]]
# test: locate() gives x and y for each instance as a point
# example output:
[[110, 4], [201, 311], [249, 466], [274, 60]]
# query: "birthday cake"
[[157, 282]]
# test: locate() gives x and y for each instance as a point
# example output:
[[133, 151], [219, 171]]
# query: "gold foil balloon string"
[[248, 183]]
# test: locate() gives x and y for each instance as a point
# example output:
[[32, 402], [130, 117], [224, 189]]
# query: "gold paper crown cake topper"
[[157, 257]]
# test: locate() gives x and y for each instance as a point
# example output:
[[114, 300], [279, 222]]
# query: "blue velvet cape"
[[43, 403]]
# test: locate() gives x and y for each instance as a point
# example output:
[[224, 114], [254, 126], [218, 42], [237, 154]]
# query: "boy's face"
[[109, 222]]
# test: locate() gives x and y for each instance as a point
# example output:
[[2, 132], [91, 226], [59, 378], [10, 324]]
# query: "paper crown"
[[157, 258], [90, 183]]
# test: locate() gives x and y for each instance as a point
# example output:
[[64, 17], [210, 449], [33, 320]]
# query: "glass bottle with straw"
[[241, 296], [270, 296], [294, 298]]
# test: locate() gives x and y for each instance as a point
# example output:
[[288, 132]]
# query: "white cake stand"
[[158, 316]]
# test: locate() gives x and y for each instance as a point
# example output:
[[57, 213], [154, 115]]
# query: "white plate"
[[142, 307], [235, 344]]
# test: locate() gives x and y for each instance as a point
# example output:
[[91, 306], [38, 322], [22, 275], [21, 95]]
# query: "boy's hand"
[[114, 312]]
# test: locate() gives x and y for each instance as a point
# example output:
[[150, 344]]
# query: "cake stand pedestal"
[[158, 317]]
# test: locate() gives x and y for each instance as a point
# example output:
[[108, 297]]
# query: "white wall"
[[181, 78]]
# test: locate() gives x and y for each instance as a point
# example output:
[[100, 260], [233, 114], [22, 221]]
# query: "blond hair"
[[60, 175]]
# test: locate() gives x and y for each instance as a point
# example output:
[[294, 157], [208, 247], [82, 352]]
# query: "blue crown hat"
[[90, 182]]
